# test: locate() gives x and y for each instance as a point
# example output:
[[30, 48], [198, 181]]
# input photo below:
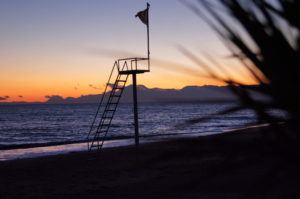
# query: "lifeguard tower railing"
[[130, 65]]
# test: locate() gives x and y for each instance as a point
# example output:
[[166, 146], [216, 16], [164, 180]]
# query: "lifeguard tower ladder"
[[110, 100]]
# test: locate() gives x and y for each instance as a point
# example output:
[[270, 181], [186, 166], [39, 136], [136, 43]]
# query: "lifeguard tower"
[[110, 99]]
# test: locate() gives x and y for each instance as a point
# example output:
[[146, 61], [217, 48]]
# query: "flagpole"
[[148, 43]]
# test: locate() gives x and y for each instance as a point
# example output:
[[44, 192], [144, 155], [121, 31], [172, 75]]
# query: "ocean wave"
[[46, 125]]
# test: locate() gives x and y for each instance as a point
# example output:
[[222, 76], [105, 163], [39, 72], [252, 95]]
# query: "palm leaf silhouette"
[[274, 30]]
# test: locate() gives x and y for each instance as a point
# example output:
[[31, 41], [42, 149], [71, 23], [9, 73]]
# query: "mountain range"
[[186, 94]]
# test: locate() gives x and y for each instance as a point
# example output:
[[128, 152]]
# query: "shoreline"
[[252, 163], [46, 144], [50, 149]]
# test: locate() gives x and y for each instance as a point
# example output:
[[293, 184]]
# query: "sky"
[[68, 47]]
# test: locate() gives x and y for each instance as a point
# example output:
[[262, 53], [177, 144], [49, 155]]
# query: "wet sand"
[[252, 163]]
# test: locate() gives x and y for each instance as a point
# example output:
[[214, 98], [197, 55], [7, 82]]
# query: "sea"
[[32, 130]]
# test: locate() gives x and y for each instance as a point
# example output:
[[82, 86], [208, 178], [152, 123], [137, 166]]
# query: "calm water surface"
[[49, 124]]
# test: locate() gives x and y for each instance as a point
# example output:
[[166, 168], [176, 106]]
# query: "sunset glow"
[[50, 48]]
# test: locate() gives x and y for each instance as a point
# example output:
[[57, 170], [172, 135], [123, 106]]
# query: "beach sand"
[[251, 163]]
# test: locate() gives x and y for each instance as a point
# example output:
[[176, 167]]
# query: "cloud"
[[20, 96], [54, 98], [4, 97], [94, 87]]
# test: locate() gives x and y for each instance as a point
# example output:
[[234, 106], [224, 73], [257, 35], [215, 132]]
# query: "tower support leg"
[[135, 110]]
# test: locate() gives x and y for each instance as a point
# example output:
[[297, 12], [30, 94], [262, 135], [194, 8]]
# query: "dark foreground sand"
[[246, 164]]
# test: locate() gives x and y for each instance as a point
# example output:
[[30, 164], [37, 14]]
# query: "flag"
[[143, 15]]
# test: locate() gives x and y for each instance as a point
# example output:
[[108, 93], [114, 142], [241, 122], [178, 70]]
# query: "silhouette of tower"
[[110, 100]]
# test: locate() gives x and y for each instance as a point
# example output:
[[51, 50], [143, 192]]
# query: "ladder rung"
[[112, 103], [100, 132], [104, 125], [108, 113], [100, 136], [109, 110], [107, 117], [96, 139]]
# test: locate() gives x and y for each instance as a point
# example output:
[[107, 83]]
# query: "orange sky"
[[62, 48], [34, 86]]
